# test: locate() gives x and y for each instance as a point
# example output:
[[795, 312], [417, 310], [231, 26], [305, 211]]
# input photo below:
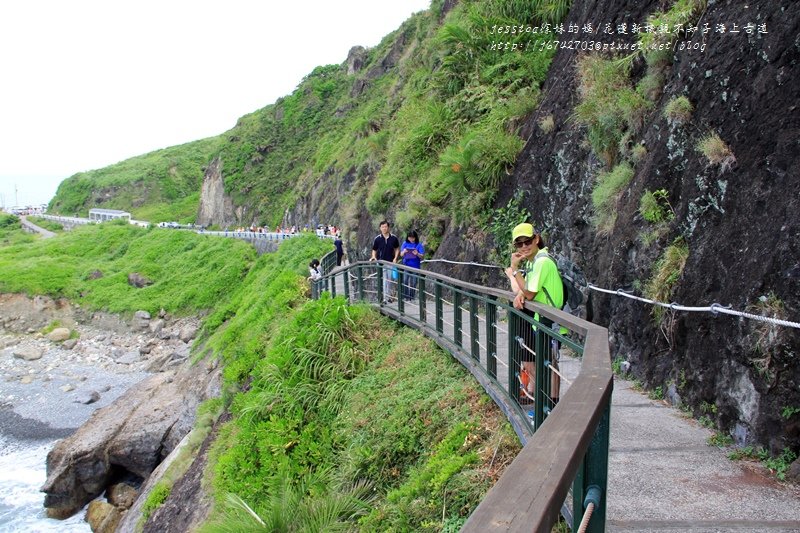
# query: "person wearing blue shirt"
[[411, 252]]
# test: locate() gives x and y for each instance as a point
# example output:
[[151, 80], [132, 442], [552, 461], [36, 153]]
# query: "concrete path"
[[663, 476], [46, 234]]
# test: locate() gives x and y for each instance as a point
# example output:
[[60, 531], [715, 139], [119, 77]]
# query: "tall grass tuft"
[[666, 272], [606, 194]]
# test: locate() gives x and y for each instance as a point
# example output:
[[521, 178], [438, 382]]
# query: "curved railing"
[[565, 440]]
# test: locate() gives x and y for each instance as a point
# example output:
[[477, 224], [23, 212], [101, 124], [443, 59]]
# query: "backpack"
[[570, 276]]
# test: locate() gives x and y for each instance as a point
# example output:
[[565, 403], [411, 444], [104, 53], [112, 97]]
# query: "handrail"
[[565, 445]]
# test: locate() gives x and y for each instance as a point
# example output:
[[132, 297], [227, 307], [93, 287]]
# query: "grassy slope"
[[324, 395], [197, 277]]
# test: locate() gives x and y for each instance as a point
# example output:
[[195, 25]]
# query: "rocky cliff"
[[737, 218]]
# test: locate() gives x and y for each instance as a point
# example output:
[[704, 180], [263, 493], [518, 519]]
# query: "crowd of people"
[[322, 229]]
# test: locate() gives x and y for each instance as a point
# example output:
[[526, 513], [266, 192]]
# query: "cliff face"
[[736, 215], [738, 218], [216, 207]]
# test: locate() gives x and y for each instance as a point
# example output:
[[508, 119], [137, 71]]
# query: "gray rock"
[[122, 495], [141, 320], [103, 517], [30, 353], [672, 395], [625, 367], [134, 433], [88, 398], [129, 358], [146, 349], [26, 380], [142, 315], [137, 280], [794, 471], [69, 344], [67, 388], [188, 333], [59, 334], [156, 325], [95, 274]]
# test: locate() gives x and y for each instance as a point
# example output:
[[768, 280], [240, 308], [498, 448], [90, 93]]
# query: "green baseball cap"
[[522, 230]]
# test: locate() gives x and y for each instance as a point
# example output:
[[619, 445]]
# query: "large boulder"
[[141, 320], [103, 517], [188, 333], [29, 353], [122, 495], [132, 435], [59, 334], [137, 280]]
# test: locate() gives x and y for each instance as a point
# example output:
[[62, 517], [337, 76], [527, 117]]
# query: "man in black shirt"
[[386, 247]]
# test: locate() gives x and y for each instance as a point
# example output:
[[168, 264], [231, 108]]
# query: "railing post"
[[360, 283], [491, 338], [457, 318], [593, 472], [346, 276], [423, 312], [540, 343], [380, 284], [475, 348], [513, 358], [401, 301], [437, 293], [333, 285]]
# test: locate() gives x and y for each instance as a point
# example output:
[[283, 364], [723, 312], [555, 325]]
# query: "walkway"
[[663, 476], [46, 234]]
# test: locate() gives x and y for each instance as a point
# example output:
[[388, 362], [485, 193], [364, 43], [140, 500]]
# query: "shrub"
[[638, 153], [716, 151], [654, 206], [678, 110], [606, 194], [547, 124]]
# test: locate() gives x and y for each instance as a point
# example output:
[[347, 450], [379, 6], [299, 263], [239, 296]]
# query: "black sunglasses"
[[522, 242]]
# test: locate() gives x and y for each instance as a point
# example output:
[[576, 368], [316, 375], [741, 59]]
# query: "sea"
[[22, 473]]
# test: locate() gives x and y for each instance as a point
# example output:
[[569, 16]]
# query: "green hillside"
[[159, 186]]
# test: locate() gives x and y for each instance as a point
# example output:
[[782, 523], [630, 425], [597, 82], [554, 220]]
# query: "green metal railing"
[[565, 441]]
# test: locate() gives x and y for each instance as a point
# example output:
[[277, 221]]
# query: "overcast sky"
[[88, 83]]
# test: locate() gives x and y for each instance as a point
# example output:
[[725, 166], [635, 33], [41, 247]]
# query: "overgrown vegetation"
[[609, 105], [45, 223], [778, 465], [309, 419]]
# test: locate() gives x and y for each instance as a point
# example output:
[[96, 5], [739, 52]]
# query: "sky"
[[88, 83]]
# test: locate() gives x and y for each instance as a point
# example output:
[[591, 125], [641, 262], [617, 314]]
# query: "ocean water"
[[22, 473]]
